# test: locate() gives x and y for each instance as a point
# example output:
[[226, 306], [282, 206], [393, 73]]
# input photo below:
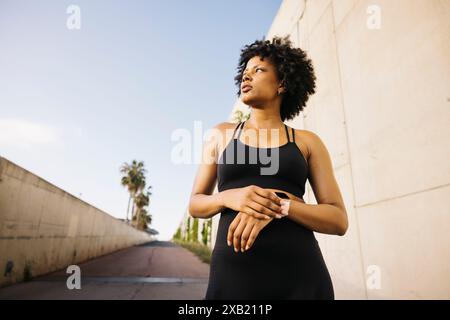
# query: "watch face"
[[282, 195]]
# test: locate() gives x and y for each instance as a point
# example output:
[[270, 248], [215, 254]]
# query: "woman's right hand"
[[254, 201]]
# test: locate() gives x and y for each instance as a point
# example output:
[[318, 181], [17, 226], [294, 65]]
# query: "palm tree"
[[134, 179], [143, 219], [141, 200], [126, 182]]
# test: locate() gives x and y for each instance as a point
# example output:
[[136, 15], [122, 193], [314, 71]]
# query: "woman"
[[265, 246]]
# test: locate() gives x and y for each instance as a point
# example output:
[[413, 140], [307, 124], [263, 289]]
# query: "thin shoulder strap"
[[293, 134], [234, 133], [287, 133], [241, 125]]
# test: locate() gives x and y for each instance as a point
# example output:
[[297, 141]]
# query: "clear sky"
[[76, 104]]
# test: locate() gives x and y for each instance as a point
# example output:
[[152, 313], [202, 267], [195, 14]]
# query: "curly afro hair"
[[293, 67]]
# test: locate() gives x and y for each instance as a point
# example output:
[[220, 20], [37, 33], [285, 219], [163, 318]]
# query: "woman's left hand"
[[244, 228], [243, 231]]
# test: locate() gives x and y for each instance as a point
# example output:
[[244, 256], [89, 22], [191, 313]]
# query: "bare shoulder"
[[305, 140], [225, 125], [314, 143], [225, 129], [223, 132]]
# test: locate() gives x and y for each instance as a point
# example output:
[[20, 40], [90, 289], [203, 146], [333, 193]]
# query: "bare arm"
[[204, 204], [329, 215]]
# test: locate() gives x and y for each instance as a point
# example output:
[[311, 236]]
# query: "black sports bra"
[[283, 168]]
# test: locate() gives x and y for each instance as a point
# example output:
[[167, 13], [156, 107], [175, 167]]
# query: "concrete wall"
[[48, 229], [382, 109]]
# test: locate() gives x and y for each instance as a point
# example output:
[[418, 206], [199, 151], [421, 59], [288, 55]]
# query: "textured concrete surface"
[[157, 270]]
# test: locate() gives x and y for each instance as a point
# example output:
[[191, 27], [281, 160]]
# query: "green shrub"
[[27, 272], [202, 251], [177, 234], [194, 237]]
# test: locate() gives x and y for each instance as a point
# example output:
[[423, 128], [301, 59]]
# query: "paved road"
[[156, 270]]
